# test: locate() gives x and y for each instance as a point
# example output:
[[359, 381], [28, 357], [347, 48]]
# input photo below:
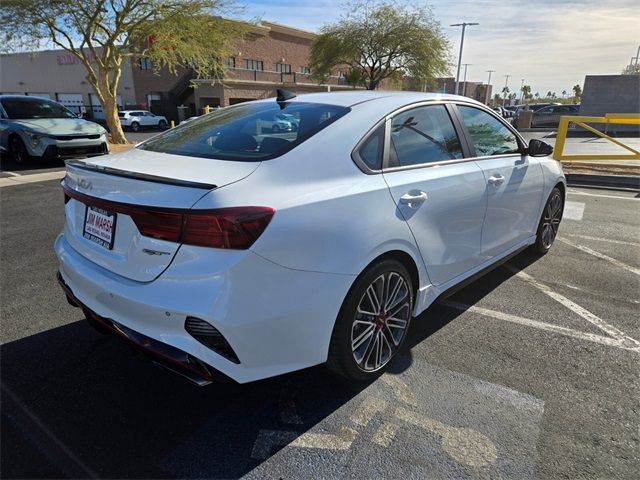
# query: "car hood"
[[60, 126]]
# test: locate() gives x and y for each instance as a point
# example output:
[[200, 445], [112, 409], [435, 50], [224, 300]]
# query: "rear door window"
[[246, 132], [423, 135]]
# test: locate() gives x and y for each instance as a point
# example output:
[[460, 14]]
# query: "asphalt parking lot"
[[530, 372]]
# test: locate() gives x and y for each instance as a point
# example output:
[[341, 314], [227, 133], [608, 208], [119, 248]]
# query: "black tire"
[[549, 222], [162, 125], [135, 127], [352, 322], [18, 151]]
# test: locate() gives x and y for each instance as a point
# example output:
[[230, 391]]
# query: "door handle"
[[413, 197], [496, 180]]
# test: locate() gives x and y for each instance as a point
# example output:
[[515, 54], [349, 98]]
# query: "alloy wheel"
[[551, 220], [381, 321], [18, 151]]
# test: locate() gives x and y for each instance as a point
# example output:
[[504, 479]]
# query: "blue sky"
[[552, 44]]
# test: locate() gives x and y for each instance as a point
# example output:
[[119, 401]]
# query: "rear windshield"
[[29, 108], [249, 132]]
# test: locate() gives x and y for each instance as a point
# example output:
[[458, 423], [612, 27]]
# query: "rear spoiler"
[[137, 175]]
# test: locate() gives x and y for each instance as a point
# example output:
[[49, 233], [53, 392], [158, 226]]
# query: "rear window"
[[249, 132]]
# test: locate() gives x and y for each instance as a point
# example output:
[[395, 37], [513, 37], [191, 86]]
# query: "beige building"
[[58, 75]]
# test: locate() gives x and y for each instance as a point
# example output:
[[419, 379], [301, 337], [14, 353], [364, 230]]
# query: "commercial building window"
[[230, 62], [305, 70], [283, 68], [253, 65], [145, 63]]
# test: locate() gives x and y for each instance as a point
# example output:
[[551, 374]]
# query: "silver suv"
[[32, 127]]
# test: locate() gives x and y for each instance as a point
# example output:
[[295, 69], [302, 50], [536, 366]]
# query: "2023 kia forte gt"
[[218, 246]]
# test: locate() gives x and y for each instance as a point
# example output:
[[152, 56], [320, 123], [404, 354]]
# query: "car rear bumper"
[[275, 319], [162, 354]]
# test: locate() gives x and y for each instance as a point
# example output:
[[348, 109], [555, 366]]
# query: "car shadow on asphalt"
[[76, 404], [7, 164], [438, 316]]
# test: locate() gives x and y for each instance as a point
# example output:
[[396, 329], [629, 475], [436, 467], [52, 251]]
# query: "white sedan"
[[217, 247]]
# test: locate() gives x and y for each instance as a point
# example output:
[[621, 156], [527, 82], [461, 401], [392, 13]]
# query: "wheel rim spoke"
[[381, 321], [551, 220]]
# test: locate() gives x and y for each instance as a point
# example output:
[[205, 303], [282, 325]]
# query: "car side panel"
[[447, 227], [330, 216], [512, 206]]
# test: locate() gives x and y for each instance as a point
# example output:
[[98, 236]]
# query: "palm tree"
[[537, 95], [577, 93], [548, 94], [526, 91], [505, 92], [564, 93]]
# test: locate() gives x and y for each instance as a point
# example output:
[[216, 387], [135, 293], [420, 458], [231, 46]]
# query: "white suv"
[[136, 119]]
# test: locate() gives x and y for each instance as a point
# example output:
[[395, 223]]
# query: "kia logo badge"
[[84, 183]]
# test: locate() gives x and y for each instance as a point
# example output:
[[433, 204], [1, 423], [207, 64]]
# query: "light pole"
[[464, 87], [506, 84], [464, 26], [521, 87], [486, 97]]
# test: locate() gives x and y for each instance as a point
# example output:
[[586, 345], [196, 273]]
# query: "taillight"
[[236, 227], [157, 223]]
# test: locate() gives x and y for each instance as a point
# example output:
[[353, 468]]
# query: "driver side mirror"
[[538, 148]]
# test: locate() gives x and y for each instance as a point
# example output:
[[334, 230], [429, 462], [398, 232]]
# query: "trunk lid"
[[102, 190]]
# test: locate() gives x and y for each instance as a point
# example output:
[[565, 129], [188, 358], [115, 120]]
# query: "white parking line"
[[36, 177], [585, 194], [631, 345], [609, 259], [573, 211], [601, 239], [12, 174], [574, 307]]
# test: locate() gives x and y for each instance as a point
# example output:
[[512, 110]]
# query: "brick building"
[[271, 56]]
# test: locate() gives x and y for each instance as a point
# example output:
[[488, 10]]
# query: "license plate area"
[[99, 226]]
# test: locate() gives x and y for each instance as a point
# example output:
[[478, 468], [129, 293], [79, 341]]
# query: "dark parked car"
[[550, 116]]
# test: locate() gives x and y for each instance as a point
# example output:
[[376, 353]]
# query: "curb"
[[618, 182]]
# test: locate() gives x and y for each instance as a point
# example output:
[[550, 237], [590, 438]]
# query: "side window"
[[423, 135], [488, 134], [370, 152]]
